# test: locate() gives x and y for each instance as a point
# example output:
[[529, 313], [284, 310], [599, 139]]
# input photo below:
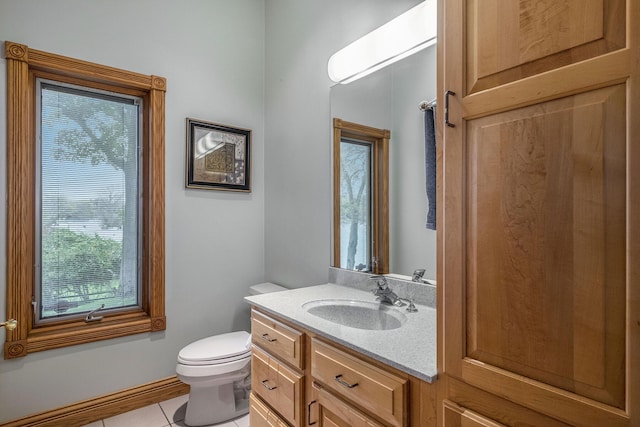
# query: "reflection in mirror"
[[390, 99], [360, 188]]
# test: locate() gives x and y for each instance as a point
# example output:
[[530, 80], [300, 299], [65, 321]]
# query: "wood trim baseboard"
[[91, 410]]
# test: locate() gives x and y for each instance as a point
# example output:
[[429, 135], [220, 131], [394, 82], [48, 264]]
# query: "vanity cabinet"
[[279, 386], [277, 367], [278, 339], [539, 283], [335, 412], [305, 380], [375, 390], [262, 415]]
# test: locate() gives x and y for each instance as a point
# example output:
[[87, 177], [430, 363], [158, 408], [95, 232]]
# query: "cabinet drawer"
[[261, 415], [279, 386], [335, 412], [368, 386], [279, 339]]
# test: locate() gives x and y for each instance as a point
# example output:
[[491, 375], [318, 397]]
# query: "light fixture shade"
[[404, 35]]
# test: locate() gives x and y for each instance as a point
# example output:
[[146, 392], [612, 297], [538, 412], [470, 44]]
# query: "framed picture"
[[218, 157]]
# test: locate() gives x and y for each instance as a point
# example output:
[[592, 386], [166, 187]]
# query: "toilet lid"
[[217, 349]]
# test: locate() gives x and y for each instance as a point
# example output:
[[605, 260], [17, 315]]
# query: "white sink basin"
[[356, 314]]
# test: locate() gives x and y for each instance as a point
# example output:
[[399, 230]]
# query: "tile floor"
[[163, 414]]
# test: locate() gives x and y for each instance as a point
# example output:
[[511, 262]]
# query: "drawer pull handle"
[[267, 386], [344, 383], [309, 413], [267, 338], [446, 108]]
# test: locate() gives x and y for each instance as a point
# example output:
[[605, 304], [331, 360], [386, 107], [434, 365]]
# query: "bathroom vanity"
[[308, 370]]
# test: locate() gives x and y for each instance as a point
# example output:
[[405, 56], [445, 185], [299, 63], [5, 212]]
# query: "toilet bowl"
[[218, 371]]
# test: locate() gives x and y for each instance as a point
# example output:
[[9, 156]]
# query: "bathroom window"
[[356, 158], [87, 184], [85, 208], [360, 220]]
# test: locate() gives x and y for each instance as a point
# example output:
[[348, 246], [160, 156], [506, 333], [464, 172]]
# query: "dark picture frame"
[[218, 156]]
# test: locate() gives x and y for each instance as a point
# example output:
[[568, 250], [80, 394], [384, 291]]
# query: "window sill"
[[80, 332]]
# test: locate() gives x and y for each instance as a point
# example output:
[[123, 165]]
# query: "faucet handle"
[[381, 281], [417, 275], [412, 307]]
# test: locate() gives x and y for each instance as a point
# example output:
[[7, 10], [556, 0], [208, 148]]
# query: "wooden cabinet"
[[279, 385], [369, 387], [457, 416], [277, 338], [262, 415], [335, 412], [539, 234], [302, 380]]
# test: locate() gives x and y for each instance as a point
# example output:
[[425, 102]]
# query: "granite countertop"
[[410, 348]]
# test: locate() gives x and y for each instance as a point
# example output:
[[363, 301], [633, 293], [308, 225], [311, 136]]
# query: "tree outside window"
[[355, 204]]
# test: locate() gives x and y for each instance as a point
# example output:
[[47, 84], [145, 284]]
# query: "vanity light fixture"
[[414, 30]]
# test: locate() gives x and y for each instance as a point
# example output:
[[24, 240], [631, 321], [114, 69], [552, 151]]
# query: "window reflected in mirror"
[[361, 197], [355, 204]]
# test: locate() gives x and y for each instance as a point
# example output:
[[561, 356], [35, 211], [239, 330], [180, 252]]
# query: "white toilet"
[[218, 370]]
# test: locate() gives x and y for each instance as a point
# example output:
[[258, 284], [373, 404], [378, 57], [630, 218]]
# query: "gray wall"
[[301, 36], [412, 246], [212, 54]]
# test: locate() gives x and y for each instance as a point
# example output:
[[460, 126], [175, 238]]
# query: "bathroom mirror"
[[390, 99]]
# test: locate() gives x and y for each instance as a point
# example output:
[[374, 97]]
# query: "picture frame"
[[218, 156]]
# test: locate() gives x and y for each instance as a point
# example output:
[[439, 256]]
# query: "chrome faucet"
[[411, 308], [384, 293], [417, 275]]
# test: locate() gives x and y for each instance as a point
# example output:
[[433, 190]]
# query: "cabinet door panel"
[[262, 416], [546, 242], [457, 416], [539, 283], [336, 412], [326, 421], [278, 385], [499, 410], [279, 339], [508, 40], [368, 386]]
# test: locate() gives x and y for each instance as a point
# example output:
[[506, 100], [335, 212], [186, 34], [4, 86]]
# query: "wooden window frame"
[[23, 66], [380, 189]]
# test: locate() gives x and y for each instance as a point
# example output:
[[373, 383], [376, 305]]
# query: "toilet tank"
[[265, 288]]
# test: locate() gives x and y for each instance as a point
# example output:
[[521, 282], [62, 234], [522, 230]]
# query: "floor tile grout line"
[[172, 424], [164, 413]]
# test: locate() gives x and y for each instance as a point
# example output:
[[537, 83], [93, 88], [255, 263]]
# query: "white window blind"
[[88, 220]]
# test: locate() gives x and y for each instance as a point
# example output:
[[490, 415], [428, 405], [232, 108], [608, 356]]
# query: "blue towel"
[[430, 165]]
